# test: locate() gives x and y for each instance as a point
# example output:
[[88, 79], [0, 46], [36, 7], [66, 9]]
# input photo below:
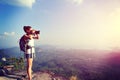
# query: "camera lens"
[[37, 32]]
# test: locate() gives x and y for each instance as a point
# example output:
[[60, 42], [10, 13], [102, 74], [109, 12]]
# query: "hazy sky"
[[70, 23]]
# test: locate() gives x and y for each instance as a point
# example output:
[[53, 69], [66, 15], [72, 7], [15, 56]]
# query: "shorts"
[[32, 55]]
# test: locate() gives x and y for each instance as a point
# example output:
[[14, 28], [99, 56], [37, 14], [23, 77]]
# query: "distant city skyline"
[[68, 23]]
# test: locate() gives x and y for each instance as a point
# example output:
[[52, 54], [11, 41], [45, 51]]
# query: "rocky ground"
[[36, 76]]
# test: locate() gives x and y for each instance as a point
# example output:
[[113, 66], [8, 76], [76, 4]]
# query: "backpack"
[[22, 44]]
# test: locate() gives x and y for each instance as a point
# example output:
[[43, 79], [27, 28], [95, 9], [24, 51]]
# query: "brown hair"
[[25, 28]]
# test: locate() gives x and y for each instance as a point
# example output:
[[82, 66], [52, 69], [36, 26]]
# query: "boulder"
[[2, 72]]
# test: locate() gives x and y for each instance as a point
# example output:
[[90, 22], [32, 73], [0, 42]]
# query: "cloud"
[[23, 3], [7, 34], [78, 2]]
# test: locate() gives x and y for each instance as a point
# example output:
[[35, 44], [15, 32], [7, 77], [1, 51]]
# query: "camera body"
[[34, 32], [37, 32]]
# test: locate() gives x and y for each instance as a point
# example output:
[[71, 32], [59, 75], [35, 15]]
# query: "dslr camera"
[[35, 32]]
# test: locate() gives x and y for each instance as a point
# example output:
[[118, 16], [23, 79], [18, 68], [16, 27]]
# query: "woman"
[[30, 49]]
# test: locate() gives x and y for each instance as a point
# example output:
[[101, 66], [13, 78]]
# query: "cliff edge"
[[36, 76]]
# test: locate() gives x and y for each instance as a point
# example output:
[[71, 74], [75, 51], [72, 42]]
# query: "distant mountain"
[[11, 52], [15, 51]]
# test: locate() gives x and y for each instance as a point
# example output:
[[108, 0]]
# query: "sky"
[[66, 23]]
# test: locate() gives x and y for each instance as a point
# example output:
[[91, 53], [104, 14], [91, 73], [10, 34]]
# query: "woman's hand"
[[36, 36]]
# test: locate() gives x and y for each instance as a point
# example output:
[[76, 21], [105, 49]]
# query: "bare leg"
[[29, 68]]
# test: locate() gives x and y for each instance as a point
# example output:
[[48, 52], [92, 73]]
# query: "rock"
[[2, 72], [36, 76], [4, 78], [19, 79], [42, 76]]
